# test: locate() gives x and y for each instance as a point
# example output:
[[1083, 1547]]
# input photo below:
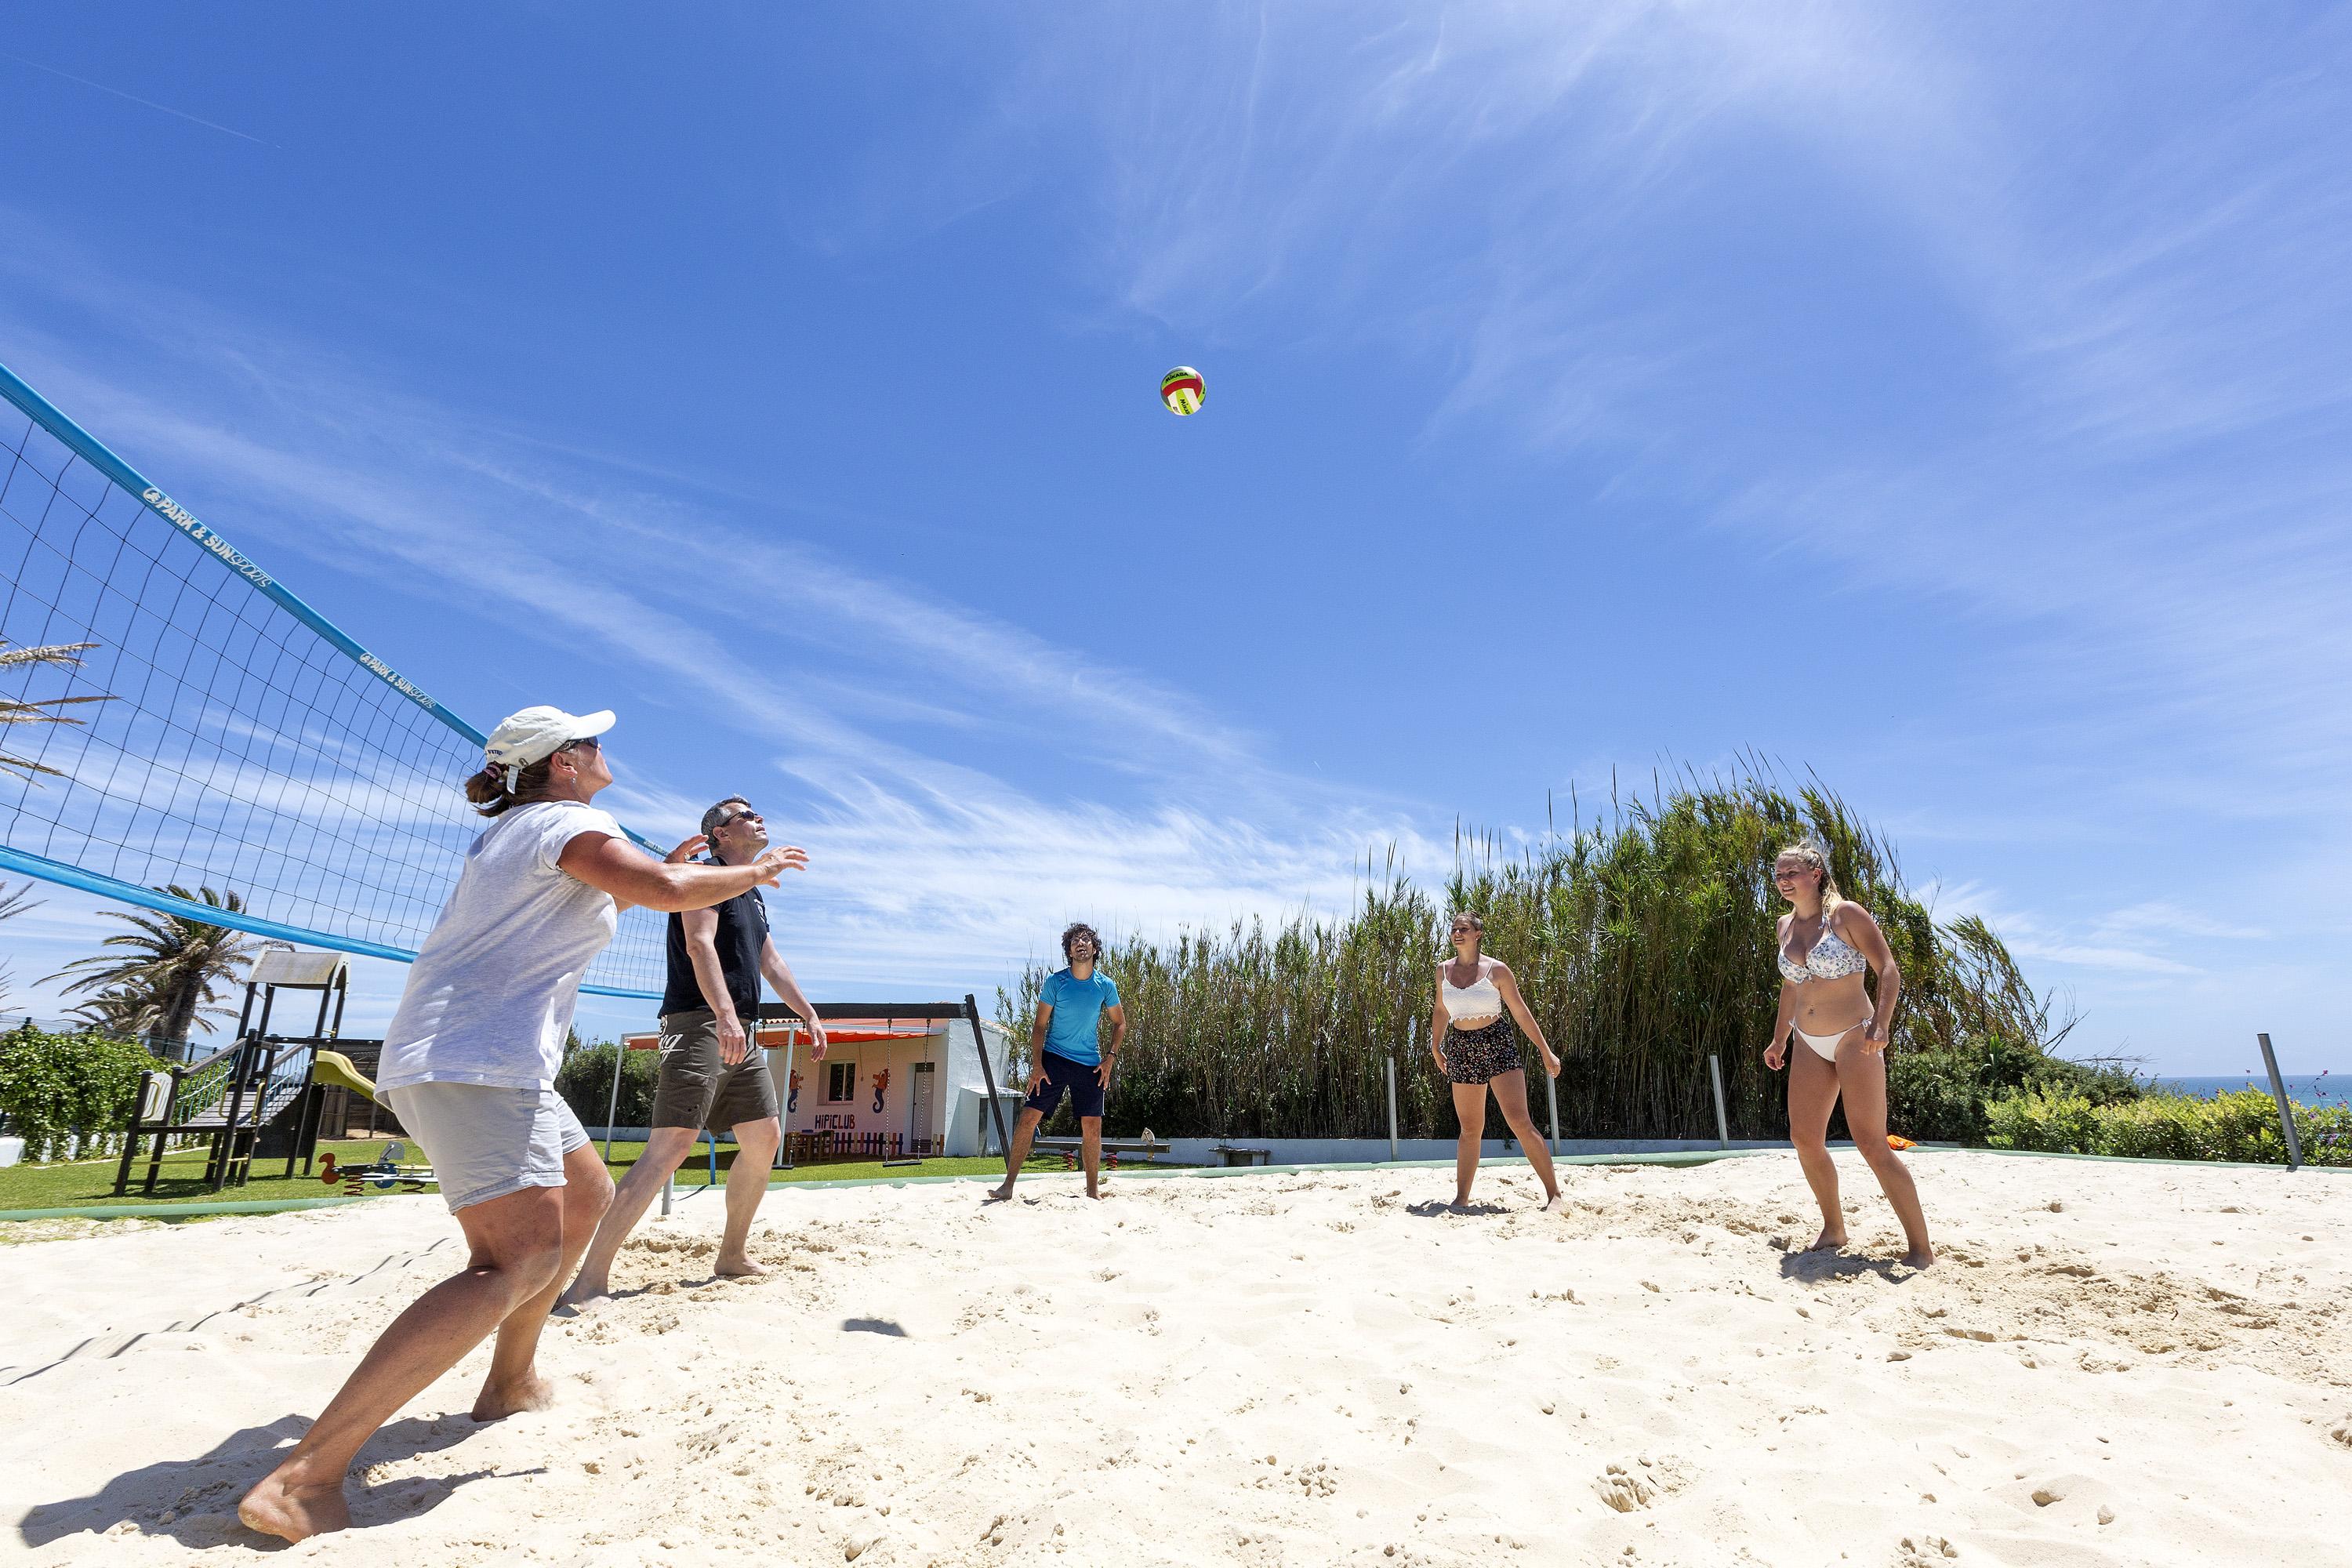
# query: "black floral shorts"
[[1478, 1056]]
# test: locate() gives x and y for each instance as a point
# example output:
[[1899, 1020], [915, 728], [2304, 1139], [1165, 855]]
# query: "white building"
[[888, 1088]]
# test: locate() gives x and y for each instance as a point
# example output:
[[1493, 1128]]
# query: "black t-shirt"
[[742, 937]]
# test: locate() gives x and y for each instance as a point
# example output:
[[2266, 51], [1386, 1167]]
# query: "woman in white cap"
[[470, 1066]]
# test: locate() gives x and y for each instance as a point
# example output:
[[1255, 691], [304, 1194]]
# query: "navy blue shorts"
[[1080, 1078]]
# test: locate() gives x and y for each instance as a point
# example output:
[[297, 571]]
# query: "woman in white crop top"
[[1471, 1040], [1826, 942]]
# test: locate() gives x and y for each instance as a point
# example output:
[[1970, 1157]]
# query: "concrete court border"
[[286, 1205], [1676, 1160]]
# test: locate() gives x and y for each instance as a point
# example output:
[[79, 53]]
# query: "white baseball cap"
[[535, 734]]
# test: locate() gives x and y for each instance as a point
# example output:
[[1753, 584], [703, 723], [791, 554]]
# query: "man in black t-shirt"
[[712, 1074]]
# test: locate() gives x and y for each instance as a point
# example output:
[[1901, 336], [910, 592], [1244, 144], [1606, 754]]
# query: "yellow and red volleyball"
[[1182, 390]]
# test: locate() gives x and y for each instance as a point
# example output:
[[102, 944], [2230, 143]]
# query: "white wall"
[[968, 1135], [957, 1068], [855, 1117], [963, 1070]]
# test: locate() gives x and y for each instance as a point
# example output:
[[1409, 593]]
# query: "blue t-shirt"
[[1078, 1013]]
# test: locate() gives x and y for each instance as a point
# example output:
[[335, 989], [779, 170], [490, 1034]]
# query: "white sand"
[[2114, 1364]]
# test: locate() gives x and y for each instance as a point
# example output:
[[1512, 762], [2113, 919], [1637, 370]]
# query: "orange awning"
[[776, 1037]]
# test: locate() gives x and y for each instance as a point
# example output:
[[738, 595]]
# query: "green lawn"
[[695, 1171], [182, 1181]]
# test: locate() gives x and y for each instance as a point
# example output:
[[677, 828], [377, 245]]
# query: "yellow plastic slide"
[[335, 1069]]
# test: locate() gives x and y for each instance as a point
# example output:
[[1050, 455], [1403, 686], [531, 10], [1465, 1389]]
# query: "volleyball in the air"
[[1182, 390]]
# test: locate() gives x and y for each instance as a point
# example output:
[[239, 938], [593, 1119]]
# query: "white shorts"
[[486, 1142]]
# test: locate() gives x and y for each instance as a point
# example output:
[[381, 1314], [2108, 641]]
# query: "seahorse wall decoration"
[[793, 1099], [881, 1083]]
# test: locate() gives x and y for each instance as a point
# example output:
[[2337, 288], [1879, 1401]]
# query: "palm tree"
[[12, 904], [16, 711], [173, 962], [121, 1010]]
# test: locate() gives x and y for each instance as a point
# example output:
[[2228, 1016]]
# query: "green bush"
[[2326, 1132], [68, 1094], [1941, 1095], [2241, 1126], [585, 1082], [2160, 1127], [2046, 1120], [1934, 1096]]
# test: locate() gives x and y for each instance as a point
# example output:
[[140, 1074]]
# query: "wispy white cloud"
[[2171, 919], [2121, 495], [2159, 493], [411, 481], [926, 859], [2152, 938], [2084, 955], [71, 925], [822, 600], [1499, 191], [135, 98], [973, 878]]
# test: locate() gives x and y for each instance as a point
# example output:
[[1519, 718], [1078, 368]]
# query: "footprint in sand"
[[1640, 1483]]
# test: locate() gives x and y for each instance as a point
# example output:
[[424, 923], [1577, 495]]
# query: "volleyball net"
[[199, 726]]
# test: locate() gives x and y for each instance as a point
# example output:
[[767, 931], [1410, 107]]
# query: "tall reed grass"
[[1642, 940]]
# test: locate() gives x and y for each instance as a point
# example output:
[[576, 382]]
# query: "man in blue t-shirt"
[[1065, 1053]]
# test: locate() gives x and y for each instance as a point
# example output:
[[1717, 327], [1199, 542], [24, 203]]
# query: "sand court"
[[2114, 1364]]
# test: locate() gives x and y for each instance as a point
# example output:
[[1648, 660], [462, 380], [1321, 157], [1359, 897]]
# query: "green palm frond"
[[120, 1010], [18, 710], [12, 903], [175, 965], [16, 902]]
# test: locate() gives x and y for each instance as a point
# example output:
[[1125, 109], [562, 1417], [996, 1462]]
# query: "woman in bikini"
[[1476, 1050], [1826, 940]]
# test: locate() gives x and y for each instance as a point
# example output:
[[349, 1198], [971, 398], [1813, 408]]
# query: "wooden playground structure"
[[262, 1093], [268, 1095]]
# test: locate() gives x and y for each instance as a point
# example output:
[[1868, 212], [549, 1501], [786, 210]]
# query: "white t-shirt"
[[489, 998]]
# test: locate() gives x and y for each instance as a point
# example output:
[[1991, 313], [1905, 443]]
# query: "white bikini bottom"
[[1825, 1045]]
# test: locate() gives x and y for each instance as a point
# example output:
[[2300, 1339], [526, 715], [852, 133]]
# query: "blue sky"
[[1951, 402]]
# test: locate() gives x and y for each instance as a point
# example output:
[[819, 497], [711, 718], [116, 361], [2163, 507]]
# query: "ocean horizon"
[[2320, 1089]]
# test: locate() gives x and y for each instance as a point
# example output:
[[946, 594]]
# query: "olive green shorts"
[[696, 1089]]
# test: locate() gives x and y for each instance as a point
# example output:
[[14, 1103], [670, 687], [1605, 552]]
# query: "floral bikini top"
[[1831, 958]]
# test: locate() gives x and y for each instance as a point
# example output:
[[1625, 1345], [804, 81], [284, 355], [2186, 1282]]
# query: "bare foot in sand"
[[1919, 1257], [736, 1265], [1003, 1194], [532, 1392], [1828, 1241], [295, 1513], [579, 1296], [1552, 1204]]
